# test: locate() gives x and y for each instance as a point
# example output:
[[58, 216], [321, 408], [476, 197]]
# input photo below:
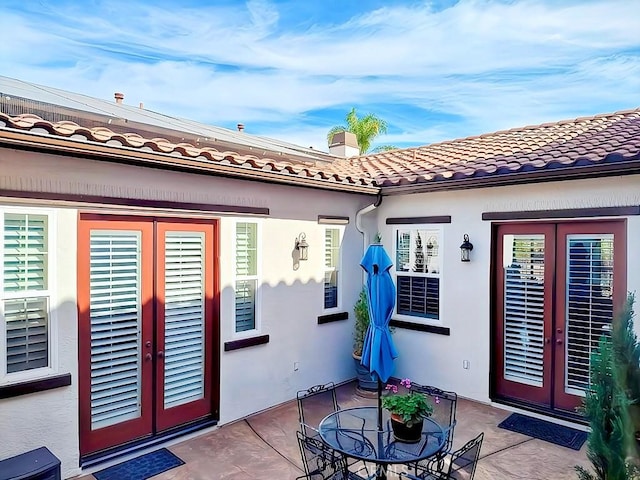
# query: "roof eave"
[[97, 151], [626, 167]]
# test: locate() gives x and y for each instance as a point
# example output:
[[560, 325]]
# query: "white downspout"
[[362, 212]]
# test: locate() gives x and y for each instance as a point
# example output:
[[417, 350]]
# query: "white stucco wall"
[[50, 418], [251, 379], [465, 287]]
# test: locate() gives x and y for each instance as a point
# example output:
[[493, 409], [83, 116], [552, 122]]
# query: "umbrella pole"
[[379, 405]]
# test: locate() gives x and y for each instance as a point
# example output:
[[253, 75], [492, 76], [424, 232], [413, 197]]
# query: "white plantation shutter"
[[246, 275], [25, 291], [589, 303], [184, 317], [27, 334], [418, 273], [115, 312], [25, 252], [524, 308], [331, 263]]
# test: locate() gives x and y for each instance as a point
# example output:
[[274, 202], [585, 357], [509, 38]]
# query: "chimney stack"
[[344, 144], [141, 106], [119, 97], [241, 127]]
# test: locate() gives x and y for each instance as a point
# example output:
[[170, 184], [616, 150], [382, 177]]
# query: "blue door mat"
[[142, 467], [543, 430]]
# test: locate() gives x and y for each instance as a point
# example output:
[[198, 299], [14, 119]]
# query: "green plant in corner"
[[411, 406], [361, 311], [613, 386]]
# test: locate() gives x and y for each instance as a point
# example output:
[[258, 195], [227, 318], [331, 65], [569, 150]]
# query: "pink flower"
[[437, 400], [406, 382], [394, 389], [388, 387]]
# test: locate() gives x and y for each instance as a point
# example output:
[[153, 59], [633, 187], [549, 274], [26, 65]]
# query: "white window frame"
[[50, 293], [257, 277], [338, 269], [437, 231]]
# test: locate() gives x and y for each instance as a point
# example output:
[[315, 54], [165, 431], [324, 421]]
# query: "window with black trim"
[[247, 276], [332, 241], [417, 269]]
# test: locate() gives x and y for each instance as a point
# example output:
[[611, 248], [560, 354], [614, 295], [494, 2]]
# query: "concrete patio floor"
[[264, 447]]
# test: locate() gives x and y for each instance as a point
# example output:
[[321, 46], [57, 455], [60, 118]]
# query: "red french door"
[[557, 287], [147, 318]]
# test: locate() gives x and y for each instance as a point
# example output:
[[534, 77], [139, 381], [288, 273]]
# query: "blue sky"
[[291, 69]]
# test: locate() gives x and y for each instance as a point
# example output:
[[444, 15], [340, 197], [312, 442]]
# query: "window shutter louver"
[[27, 334], [246, 273], [184, 317], [26, 313], [589, 303], [331, 260], [115, 313], [524, 309]]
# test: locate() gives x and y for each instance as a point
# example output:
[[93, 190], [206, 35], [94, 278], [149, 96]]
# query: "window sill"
[[33, 386], [421, 327], [332, 317], [245, 343]]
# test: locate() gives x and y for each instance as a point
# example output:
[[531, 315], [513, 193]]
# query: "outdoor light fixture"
[[302, 246], [465, 249]]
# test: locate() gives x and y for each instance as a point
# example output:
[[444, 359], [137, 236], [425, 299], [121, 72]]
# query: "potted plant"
[[407, 411], [361, 311]]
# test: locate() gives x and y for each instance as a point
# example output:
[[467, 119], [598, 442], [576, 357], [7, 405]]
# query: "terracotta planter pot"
[[404, 433]]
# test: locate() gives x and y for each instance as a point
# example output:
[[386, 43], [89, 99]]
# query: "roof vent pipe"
[[240, 127], [119, 97]]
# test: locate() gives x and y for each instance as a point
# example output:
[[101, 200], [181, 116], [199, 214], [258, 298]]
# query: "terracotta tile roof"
[[569, 144], [512, 156], [273, 166]]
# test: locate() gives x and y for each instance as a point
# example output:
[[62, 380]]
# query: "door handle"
[[147, 344], [559, 341], [160, 354], [147, 357]]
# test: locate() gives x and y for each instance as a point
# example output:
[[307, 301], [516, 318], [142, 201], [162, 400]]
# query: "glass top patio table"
[[354, 432]]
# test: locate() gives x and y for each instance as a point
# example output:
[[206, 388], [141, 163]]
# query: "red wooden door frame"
[[150, 421], [563, 400], [506, 388], [94, 440], [171, 417]]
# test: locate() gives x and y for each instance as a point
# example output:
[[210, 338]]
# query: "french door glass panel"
[[184, 317], [115, 316], [588, 303], [524, 303]]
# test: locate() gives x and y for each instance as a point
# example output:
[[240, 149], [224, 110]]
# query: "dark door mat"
[[543, 430], [142, 467]]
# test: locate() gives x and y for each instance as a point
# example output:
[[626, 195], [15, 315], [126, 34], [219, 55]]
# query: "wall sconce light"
[[465, 249], [302, 246]]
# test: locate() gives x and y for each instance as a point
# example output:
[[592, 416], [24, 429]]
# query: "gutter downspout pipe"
[[365, 238]]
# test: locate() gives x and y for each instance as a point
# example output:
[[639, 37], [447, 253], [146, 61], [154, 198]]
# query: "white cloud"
[[491, 63]]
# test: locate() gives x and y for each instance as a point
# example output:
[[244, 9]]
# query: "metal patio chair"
[[444, 413], [462, 464], [320, 463], [314, 404]]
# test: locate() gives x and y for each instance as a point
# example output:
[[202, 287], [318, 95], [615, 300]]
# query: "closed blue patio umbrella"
[[379, 351]]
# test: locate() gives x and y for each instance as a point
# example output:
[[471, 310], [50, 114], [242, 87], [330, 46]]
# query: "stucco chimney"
[[240, 127], [344, 144], [119, 97]]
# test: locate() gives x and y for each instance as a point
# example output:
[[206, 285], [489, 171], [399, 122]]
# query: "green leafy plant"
[[614, 373], [361, 311], [411, 406]]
